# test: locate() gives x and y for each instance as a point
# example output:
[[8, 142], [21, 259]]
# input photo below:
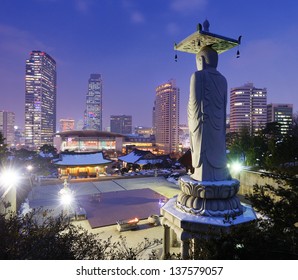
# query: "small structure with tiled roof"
[[142, 158], [81, 165]]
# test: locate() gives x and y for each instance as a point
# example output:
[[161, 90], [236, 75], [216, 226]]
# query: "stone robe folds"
[[207, 125]]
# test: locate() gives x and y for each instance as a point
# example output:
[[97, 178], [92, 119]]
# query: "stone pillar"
[[173, 238], [185, 249], [166, 241]]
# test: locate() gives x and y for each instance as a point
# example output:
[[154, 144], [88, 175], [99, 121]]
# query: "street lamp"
[[66, 198], [235, 169], [29, 167], [9, 179]]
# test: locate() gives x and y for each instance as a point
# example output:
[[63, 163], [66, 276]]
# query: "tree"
[[38, 236], [3, 148], [272, 236], [239, 144], [48, 150]]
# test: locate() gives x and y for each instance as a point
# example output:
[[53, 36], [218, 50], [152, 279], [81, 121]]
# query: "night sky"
[[130, 42]]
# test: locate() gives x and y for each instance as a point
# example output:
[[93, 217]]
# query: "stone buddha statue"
[[207, 119]]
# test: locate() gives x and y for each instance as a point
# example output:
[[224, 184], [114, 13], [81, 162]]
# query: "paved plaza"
[[129, 197], [106, 208]]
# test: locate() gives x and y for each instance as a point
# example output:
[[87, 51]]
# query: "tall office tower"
[[66, 124], [248, 108], [167, 117], [154, 118], [282, 114], [93, 111], [40, 100], [121, 124], [7, 123]]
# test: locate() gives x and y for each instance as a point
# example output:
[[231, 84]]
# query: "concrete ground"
[[46, 196]]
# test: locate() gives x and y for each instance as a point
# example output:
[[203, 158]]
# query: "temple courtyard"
[[104, 202]]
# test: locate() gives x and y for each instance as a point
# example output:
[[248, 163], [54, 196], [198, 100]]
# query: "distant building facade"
[[93, 111], [40, 99], [154, 118], [121, 124], [184, 139], [88, 141], [248, 108], [7, 123], [282, 114], [167, 117], [144, 131], [140, 142], [66, 124]]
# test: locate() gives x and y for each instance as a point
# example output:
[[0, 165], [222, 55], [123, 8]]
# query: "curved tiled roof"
[[81, 159]]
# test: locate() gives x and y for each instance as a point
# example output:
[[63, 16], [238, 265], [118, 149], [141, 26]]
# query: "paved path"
[[46, 196]]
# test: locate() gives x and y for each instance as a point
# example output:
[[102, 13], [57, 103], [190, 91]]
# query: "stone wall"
[[250, 178]]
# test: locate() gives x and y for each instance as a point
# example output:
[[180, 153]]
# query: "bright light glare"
[[29, 167], [9, 178], [236, 167], [66, 199]]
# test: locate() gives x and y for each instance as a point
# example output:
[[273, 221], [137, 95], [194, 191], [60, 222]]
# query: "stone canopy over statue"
[[207, 105]]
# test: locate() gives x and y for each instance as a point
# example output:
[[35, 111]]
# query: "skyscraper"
[[121, 124], [167, 117], [282, 114], [40, 99], [248, 108], [7, 123], [93, 111]]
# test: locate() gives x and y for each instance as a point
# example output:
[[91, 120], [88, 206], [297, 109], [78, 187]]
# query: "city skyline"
[[131, 44]]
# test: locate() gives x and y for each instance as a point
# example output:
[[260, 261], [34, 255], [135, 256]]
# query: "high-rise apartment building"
[[282, 114], [154, 118], [66, 124], [248, 108], [167, 117], [93, 111], [40, 99], [121, 124], [7, 123]]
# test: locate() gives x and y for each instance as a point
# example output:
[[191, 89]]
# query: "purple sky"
[[130, 42]]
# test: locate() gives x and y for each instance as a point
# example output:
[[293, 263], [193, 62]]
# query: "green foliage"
[[48, 150], [3, 149], [273, 236], [268, 149], [38, 236]]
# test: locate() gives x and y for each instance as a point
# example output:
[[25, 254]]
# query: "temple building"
[[143, 158], [81, 165]]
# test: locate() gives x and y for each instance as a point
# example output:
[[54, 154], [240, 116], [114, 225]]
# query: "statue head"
[[207, 58]]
